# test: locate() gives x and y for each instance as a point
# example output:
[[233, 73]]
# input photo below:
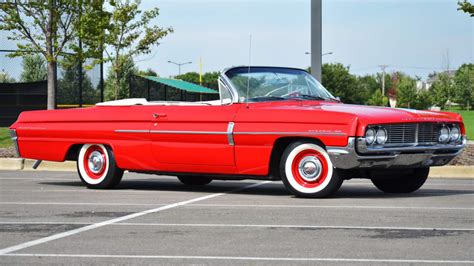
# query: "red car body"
[[234, 140], [198, 141]]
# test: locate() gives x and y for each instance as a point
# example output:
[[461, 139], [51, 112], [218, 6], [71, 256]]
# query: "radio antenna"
[[248, 76]]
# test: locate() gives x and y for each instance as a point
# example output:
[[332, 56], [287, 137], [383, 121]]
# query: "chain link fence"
[[152, 91], [23, 84]]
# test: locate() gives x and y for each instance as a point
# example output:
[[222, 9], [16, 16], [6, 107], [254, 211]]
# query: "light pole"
[[179, 65], [329, 53]]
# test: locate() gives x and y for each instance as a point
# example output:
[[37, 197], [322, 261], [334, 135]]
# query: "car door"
[[196, 135]]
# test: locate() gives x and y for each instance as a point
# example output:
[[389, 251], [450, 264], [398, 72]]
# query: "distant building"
[[426, 85], [423, 85]]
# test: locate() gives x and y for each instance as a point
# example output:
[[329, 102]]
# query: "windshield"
[[272, 84]]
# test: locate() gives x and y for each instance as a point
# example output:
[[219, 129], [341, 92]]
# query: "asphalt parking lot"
[[49, 217]]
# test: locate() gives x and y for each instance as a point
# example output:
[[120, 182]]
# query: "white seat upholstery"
[[142, 101]]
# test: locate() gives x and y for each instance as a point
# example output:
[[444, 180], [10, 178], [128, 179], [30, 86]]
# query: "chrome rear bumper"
[[15, 141], [403, 157]]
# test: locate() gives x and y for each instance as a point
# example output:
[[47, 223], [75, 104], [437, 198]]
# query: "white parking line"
[[287, 226], [119, 219], [289, 259], [245, 205]]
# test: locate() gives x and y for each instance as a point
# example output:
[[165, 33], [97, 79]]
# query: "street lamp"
[[179, 65]]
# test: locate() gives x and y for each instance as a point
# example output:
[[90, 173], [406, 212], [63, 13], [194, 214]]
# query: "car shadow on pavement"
[[271, 189]]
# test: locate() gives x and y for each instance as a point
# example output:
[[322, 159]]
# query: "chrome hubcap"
[[96, 162], [310, 168]]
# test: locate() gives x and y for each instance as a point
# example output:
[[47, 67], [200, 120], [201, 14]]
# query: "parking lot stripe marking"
[[348, 227], [243, 258], [119, 219], [245, 205]]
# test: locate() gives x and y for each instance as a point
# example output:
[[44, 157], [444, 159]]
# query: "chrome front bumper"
[[351, 157], [15, 141]]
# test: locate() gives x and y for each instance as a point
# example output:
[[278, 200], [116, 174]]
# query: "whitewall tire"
[[97, 168], [307, 171]]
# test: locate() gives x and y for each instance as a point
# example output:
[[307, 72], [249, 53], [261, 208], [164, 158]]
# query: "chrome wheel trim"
[[310, 168], [96, 162], [81, 166], [291, 179]]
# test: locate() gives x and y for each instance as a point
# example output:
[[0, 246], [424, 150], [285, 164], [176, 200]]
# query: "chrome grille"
[[401, 133], [424, 133], [428, 132]]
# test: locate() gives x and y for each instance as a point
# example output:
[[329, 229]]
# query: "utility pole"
[[383, 67]]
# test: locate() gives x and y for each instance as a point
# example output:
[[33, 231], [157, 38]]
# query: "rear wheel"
[[195, 180], [307, 171], [402, 182], [97, 168]]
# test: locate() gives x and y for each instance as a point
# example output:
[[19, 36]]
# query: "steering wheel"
[[295, 93]]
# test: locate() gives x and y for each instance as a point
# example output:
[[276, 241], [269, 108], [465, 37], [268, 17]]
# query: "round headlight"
[[381, 137], [443, 134], [455, 133], [370, 136]]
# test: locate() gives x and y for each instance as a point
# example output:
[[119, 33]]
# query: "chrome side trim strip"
[[230, 132], [188, 132], [291, 133], [131, 131]]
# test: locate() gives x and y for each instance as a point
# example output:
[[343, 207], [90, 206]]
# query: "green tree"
[[337, 79], [423, 100], [378, 99], [128, 69], [406, 94], [368, 85], [34, 68], [442, 89], [68, 86], [6, 78], [464, 82], [210, 77], [192, 77], [130, 34], [41, 26], [466, 7], [147, 72]]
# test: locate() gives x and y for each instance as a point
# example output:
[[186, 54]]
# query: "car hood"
[[382, 115], [338, 113]]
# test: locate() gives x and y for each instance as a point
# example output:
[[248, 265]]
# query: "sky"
[[410, 36]]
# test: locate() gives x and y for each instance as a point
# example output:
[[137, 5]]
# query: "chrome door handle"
[[159, 115]]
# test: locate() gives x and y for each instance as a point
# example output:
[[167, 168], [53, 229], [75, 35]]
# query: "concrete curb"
[[26, 164]]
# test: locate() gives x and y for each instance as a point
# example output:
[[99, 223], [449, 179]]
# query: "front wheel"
[[402, 182], [195, 180], [307, 171], [97, 168]]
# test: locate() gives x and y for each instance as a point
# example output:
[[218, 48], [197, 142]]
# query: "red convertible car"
[[270, 123]]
